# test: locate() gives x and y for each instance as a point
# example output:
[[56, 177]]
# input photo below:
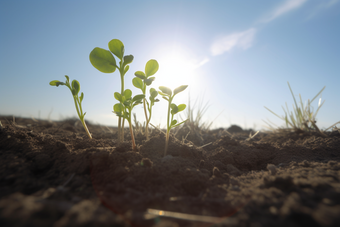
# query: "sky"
[[235, 56]]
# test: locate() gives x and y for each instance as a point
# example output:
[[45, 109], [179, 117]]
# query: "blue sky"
[[237, 56]]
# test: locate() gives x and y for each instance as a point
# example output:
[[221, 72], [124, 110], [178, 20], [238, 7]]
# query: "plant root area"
[[52, 174]]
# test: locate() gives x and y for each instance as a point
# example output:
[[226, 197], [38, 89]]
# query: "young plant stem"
[[168, 126], [86, 129], [147, 120], [121, 130], [119, 127], [166, 142], [132, 137], [81, 117]]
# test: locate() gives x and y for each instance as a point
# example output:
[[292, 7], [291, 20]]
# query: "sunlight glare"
[[176, 68]]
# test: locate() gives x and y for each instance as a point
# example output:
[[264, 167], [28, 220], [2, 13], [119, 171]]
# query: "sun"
[[176, 67]]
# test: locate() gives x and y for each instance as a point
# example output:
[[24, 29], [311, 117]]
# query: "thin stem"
[[119, 127], [121, 121], [147, 121], [123, 129], [132, 137], [166, 142], [168, 128], [77, 108], [81, 116], [86, 129]]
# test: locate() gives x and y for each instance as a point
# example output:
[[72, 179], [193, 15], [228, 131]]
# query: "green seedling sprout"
[[74, 88], [104, 61], [302, 118], [141, 81], [168, 95], [124, 108]]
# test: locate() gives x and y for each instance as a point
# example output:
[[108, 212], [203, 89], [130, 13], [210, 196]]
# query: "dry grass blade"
[[302, 118], [194, 115], [183, 216]]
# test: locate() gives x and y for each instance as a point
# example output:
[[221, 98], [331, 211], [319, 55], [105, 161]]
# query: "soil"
[[51, 174]]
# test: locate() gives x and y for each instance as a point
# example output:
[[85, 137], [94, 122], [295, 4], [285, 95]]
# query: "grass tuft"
[[302, 118]]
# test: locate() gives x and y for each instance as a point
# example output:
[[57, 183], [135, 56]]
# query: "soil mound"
[[51, 174]]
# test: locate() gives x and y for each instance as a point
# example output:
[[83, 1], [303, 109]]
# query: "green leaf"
[[181, 107], [138, 98], [117, 48], [127, 93], [138, 83], [128, 59], [126, 69], [180, 89], [127, 103], [137, 103], [151, 67], [165, 90], [126, 115], [174, 108], [103, 60], [119, 114], [166, 98], [118, 96], [81, 98], [148, 81], [162, 94], [75, 87], [179, 124], [118, 108], [67, 79], [152, 89], [153, 93], [140, 75], [55, 82], [173, 122]]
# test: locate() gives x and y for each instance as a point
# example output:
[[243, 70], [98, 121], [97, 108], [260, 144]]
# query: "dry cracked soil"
[[51, 174]]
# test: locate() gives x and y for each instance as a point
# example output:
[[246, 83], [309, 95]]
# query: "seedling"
[[124, 108], [141, 81], [74, 88], [302, 118], [104, 61], [168, 95]]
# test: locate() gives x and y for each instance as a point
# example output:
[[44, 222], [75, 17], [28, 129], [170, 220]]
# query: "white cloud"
[[205, 60], [324, 5], [286, 7], [242, 40]]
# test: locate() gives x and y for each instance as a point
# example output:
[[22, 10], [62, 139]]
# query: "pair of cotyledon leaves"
[[104, 61], [166, 92]]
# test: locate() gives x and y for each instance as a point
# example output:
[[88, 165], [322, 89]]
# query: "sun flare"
[[177, 67]]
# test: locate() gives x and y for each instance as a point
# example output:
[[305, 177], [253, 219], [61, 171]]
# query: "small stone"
[[272, 169], [146, 162], [216, 172]]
